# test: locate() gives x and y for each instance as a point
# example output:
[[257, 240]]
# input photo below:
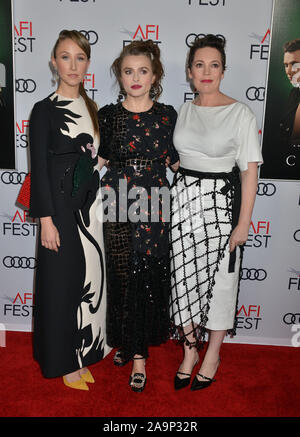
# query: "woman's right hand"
[[49, 234]]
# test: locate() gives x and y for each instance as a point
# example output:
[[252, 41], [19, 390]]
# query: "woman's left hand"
[[175, 166], [239, 236]]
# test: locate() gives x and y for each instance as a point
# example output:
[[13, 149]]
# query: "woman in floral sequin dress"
[[136, 140]]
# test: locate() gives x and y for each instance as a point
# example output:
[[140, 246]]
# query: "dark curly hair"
[[147, 48], [292, 46], [207, 41]]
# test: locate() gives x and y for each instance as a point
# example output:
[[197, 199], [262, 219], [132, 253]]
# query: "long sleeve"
[[41, 201], [172, 152], [105, 131]]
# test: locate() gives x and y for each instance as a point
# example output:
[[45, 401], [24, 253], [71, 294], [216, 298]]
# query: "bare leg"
[[210, 363], [73, 377], [190, 353], [138, 365]]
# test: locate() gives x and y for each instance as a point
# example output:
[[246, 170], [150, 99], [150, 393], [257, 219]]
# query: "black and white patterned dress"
[[70, 287], [206, 195]]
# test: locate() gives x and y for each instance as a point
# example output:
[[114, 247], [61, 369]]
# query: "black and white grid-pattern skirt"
[[204, 275]]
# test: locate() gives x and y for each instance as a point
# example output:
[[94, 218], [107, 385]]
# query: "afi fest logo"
[[21, 305], [23, 36], [260, 50], [22, 133], [143, 32], [248, 316], [206, 2], [189, 96], [259, 234], [294, 281], [89, 84], [19, 225]]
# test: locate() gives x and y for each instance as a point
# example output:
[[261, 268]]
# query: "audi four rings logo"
[[291, 319], [265, 189], [19, 262], [254, 93], [253, 274], [25, 85], [13, 177], [91, 36], [192, 36]]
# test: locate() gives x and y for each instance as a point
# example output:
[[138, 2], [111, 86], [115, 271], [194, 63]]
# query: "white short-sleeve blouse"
[[216, 138]]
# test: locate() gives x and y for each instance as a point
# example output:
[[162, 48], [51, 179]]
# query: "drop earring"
[[121, 95], [152, 92], [55, 77]]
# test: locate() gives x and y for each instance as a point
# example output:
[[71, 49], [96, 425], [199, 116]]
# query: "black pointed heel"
[[198, 385], [180, 383]]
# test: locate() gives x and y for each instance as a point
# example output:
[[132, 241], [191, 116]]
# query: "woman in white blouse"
[[212, 201]]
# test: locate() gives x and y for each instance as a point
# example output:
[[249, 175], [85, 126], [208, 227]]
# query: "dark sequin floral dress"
[[137, 250]]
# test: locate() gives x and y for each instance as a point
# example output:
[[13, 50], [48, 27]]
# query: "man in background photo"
[[290, 123]]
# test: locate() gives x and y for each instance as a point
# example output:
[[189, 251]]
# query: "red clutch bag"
[[24, 194]]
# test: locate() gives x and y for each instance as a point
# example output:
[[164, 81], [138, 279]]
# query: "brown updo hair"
[[79, 39], [207, 41], [147, 48]]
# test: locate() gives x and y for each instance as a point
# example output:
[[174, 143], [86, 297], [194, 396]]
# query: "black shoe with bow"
[[137, 381], [119, 360]]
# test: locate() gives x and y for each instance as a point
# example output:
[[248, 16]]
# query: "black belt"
[[231, 179], [136, 163]]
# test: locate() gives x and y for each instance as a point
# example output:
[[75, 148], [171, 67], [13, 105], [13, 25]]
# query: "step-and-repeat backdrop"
[[268, 309]]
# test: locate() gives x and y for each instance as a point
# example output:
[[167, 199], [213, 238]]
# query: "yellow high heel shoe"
[[87, 376], [78, 385]]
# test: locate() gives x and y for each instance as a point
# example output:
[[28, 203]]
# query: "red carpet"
[[252, 381]]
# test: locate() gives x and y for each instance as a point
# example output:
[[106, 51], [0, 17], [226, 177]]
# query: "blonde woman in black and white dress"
[[212, 201], [70, 297]]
